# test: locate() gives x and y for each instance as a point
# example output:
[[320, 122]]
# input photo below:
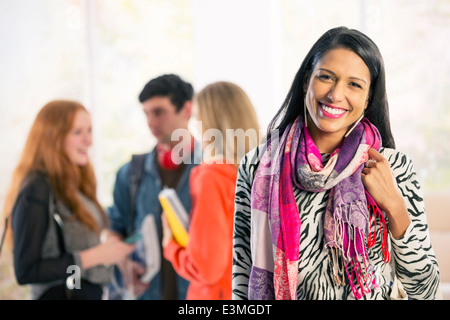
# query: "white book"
[[177, 216]]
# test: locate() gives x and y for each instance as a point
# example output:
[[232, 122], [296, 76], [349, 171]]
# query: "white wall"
[[241, 41]]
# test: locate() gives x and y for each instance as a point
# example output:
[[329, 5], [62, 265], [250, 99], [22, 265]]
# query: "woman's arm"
[[380, 183], [206, 257], [30, 223], [112, 251], [416, 264]]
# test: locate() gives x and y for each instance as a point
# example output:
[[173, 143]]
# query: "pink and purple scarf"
[[275, 218]]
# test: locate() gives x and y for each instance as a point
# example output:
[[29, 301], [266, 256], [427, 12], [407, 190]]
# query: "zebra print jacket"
[[411, 273]]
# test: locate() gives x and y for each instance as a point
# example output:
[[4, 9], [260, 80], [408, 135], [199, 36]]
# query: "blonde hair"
[[44, 151], [223, 106]]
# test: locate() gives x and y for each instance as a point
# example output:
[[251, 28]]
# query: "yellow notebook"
[[176, 215]]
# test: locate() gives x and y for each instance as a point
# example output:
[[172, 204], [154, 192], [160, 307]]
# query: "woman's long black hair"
[[377, 109]]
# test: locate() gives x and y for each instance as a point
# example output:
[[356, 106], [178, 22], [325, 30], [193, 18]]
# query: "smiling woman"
[[56, 219], [314, 219]]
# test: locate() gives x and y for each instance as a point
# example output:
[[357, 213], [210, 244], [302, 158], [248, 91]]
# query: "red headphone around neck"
[[165, 156]]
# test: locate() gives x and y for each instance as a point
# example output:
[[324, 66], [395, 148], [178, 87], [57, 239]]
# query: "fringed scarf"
[[275, 218]]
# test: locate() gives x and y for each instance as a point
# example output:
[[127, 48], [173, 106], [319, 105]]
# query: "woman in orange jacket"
[[227, 115]]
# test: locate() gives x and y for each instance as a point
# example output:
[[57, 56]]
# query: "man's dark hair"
[[171, 86]]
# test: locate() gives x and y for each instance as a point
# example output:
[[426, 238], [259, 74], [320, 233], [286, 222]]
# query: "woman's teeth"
[[332, 110]]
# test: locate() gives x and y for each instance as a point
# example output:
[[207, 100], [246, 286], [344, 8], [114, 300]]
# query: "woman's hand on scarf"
[[379, 181]]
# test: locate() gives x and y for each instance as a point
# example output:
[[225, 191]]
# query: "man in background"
[[167, 105]]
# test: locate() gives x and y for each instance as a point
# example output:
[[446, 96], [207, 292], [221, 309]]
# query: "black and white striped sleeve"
[[416, 264], [242, 260]]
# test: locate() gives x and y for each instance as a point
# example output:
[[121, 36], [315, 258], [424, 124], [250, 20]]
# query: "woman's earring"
[[305, 116], [354, 125]]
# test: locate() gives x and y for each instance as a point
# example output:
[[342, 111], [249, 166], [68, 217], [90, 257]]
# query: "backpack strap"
[[136, 174]]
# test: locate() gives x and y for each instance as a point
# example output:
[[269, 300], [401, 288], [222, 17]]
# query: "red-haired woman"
[[54, 177]]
